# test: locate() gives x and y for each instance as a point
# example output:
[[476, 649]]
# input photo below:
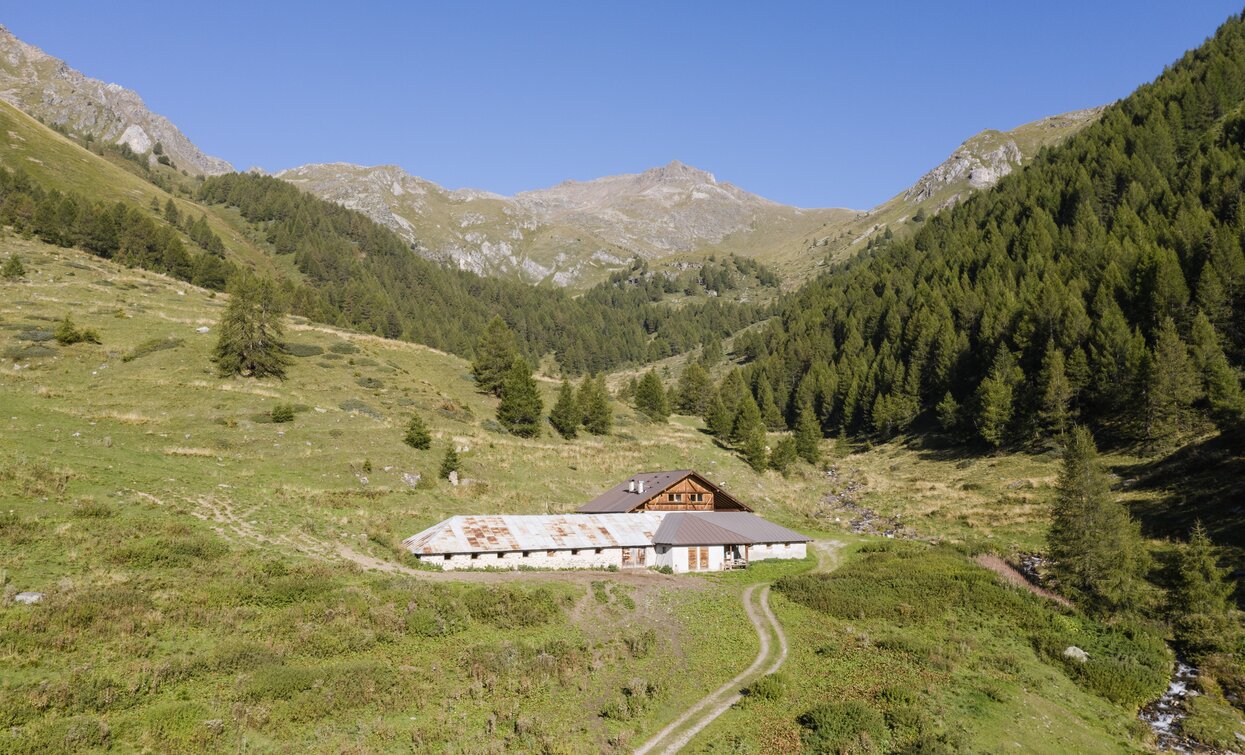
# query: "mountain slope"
[[49, 89]]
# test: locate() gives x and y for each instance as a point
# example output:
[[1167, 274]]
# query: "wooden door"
[[704, 557]]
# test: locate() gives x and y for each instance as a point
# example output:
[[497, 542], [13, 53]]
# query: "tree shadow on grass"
[[1204, 480]]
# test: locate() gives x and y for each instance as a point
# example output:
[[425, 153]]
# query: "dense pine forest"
[[1103, 284]]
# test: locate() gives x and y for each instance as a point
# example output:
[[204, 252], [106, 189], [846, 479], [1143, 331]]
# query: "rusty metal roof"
[[620, 498], [501, 533], [721, 528]]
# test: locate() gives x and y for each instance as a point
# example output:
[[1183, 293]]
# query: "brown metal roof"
[[619, 498], [721, 528]]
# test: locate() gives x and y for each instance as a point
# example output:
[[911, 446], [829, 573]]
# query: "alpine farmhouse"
[[675, 519]]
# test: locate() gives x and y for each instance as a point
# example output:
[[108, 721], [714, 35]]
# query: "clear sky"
[[808, 103]]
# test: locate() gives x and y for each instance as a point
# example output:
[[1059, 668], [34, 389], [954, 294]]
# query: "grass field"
[[204, 567]]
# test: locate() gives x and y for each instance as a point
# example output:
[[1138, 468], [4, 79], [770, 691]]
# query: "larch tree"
[[1201, 598], [417, 435], [995, 399], [1096, 552], [566, 415], [1221, 382], [1171, 387], [594, 403], [251, 341], [495, 354], [651, 399], [521, 409], [808, 435], [1056, 392], [695, 390]]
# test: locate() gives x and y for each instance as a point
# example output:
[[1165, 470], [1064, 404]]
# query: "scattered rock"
[[1075, 653], [202, 329], [28, 598], [411, 480], [453, 478]]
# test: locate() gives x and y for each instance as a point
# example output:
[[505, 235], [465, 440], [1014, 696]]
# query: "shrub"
[[67, 334], [13, 268], [303, 350], [768, 687], [344, 347], [512, 607], [283, 413], [150, 347], [842, 727], [168, 551], [370, 383]]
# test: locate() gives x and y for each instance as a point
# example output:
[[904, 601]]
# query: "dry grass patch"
[[190, 451]]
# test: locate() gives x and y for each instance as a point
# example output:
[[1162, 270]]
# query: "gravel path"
[[679, 732]]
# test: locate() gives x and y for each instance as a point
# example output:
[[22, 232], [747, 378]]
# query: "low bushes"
[[151, 347], [844, 727]]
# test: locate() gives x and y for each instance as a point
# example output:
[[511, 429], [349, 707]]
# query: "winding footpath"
[[679, 732]]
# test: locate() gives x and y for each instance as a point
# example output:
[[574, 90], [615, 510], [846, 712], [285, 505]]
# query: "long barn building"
[[675, 519]]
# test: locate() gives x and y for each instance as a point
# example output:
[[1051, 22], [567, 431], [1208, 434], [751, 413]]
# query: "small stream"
[[1165, 714]]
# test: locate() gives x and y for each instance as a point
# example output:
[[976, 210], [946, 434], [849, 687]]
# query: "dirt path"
[[679, 732], [1013, 577]]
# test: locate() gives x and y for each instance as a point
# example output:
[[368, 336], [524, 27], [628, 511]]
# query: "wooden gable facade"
[[690, 494]]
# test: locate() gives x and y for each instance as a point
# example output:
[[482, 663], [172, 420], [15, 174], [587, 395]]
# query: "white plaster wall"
[[777, 550], [677, 559], [586, 558]]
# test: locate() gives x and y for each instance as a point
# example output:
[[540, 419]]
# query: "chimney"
[[631, 486], [641, 488]]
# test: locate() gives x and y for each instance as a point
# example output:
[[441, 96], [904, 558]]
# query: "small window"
[[474, 556], [574, 551], [551, 554], [501, 555], [599, 551], [527, 554], [447, 557]]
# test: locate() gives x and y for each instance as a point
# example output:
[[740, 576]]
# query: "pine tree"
[[449, 463], [13, 268], [1096, 552], [719, 419], [521, 409], [747, 422], [1200, 600], [808, 435], [495, 353], [250, 341], [417, 435], [695, 390], [1056, 392], [753, 448], [650, 398], [1221, 382], [995, 401], [712, 353], [594, 402], [1172, 386], [948, 411], [565, 415], [770, 414], [783, 455]]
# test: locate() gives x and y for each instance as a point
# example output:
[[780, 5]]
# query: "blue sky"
[[808, 103]]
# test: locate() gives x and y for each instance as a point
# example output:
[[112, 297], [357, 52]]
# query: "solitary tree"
[[521, 409], [753, 449], [650, 397], [13, 268], [566, 416], [1096, 550], [995, 399], [450, 462], [594, 403], [495, 355], [417, 435], [250, 341]]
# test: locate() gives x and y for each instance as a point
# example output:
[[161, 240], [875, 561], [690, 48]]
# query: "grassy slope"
[[180, 498], [59, 162]]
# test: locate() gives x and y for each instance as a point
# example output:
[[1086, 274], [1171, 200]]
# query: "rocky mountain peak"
[[49, 89]]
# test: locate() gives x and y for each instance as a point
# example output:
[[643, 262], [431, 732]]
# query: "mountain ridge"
[[47, 87]]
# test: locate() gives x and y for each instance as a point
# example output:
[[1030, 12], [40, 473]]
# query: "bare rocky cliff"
[[49, 89]]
